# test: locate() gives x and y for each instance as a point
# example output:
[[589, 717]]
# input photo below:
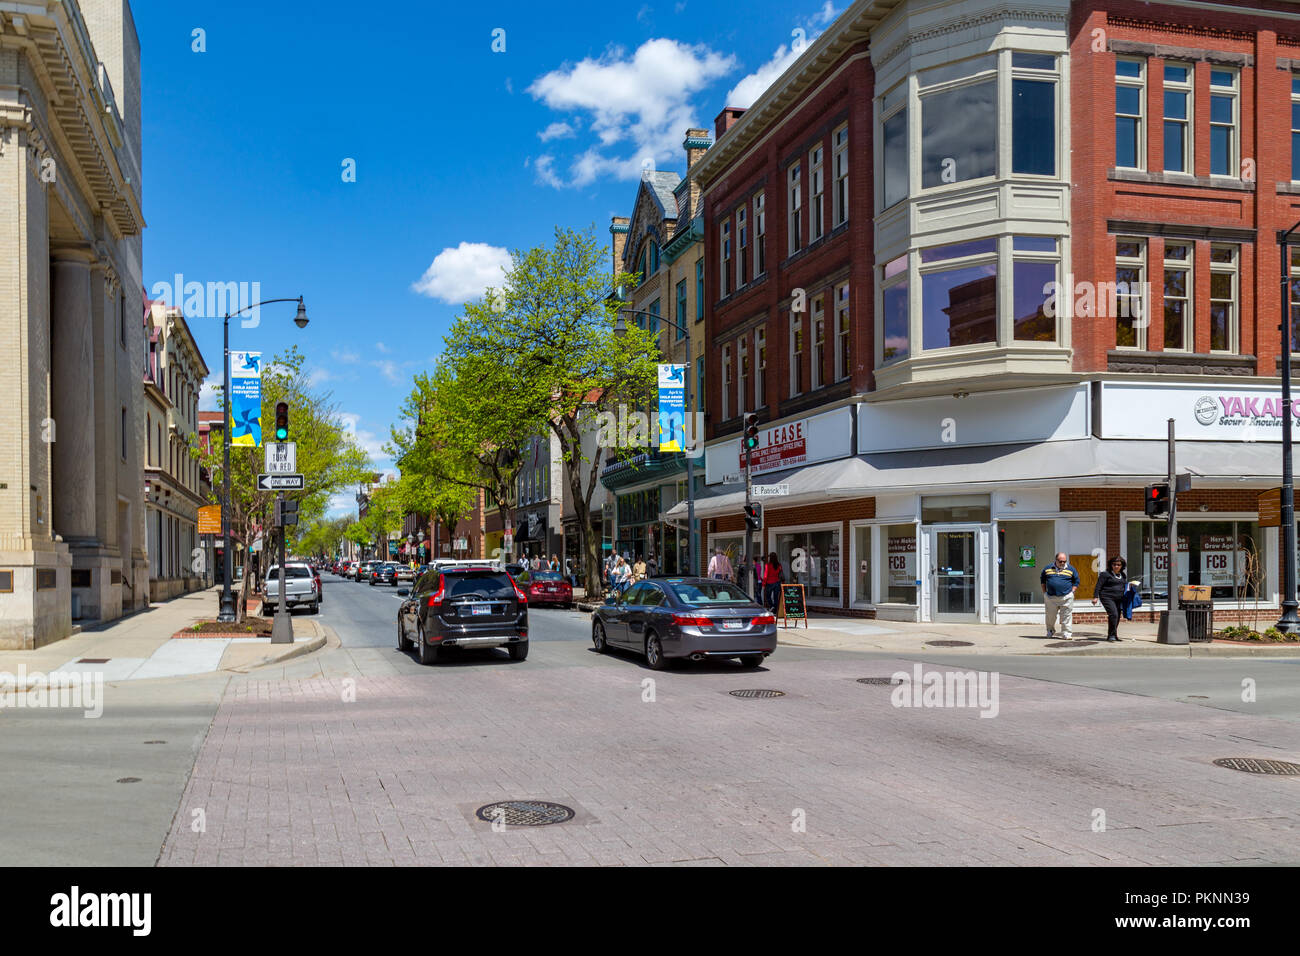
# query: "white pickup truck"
[[300, 589]]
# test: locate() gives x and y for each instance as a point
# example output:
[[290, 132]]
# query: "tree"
[[544, 350], [328, 457]]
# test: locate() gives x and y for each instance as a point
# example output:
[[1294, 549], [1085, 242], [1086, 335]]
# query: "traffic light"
[[751, 431], [753, 516], [286, 513], [1157, 500], [282, 421]]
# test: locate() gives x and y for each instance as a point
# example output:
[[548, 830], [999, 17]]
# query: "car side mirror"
[[403, 592]]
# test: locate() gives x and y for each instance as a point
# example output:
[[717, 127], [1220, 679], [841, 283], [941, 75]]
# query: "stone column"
[[72, 391]]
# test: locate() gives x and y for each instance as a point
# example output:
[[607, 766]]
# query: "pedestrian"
[[1112, 584], [555, 563], [719, 565], [652, 566], [638, 569], [622, 575], [1059, 582], [608, 568], [773, 576]]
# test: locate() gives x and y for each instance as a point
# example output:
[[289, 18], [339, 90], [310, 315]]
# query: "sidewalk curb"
[[293, 650]]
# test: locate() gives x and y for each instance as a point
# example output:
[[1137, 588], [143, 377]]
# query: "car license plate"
[[732, 625], [480, 609]]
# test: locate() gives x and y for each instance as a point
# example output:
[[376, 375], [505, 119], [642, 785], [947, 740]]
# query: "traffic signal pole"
[[750, 563], [1173, 623], [282, 628]]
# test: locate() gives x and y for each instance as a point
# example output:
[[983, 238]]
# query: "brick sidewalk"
[[293, 773]]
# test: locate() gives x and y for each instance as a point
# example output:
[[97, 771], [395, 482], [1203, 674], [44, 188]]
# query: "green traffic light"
[[281, 434]]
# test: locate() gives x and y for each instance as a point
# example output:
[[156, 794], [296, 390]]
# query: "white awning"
[[807, 486]]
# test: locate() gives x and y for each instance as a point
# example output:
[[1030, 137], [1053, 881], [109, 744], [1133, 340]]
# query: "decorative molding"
[[1169, 26], [1165, 51], [960, 24], [1180, 179], [1132, 227]]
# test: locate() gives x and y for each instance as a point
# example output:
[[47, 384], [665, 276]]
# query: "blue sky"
[[460, 154]]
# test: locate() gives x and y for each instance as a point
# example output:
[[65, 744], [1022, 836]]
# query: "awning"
[[1088, 462]]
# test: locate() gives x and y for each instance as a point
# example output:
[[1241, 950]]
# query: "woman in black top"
[[1111, 585]]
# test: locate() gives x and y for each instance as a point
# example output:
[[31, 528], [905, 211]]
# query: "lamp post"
[[227, 612], [1289, 622], [620, 328]]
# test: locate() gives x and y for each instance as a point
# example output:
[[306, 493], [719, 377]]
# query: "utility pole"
[[282, 628], [1173, 623]]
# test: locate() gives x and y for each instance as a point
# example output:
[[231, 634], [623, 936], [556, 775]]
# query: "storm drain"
[[890, 681], [128, 779], [1072, 643], [949, 644], [752, 694], [525, 813], [1260, 765]]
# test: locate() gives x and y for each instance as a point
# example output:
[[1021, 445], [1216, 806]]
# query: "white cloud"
[[826, 14], [746, 93], [640, 103], [389, 371], [343, 503], [545, 167], [383, 348], [555, 131], [318, 376], [209, 392], [345, 355], [367, 440], [464, 273]]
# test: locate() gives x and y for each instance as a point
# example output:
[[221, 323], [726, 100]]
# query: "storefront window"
[[1024, 549], [1226, 555], [899, 543], [812, 558], [862, 565], [955, 509]]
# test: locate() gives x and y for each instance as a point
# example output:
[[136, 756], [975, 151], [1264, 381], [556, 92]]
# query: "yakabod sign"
[[1133, 410]]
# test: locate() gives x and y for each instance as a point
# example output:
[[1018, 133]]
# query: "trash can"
[[1200, 620]]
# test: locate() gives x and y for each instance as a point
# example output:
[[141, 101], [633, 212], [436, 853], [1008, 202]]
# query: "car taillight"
[[518, 593], [763, 620], [436, 598], [689, 621]]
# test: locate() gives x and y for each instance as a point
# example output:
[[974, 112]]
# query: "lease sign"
[[781, 447]]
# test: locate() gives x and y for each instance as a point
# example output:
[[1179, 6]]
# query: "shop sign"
[[1141, 410], [1219, 555], [1156, 576], [783, 446], [902, 561]]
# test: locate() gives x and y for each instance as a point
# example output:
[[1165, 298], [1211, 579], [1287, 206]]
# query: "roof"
[[660, 185]]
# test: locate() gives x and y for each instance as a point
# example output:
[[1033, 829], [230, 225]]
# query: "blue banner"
[[246, 398], [672, 407]]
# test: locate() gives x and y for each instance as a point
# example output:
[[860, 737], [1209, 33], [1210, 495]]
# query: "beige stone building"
[[173, 374], [663, 243], [72, 532]]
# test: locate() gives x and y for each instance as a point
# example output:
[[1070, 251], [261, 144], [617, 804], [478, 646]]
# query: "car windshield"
[[294, 572], [547, 576], [484, 584], [710, 592]]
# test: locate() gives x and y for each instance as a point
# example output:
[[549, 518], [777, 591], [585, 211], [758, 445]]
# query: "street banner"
[[210, 519], [246, 399], [672, 407]]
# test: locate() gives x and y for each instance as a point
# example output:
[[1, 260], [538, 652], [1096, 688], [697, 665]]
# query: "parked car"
[[463, 607], [364, 570], [549, 587], [405, 574], [668, 619], [299, 585], [383, 574]]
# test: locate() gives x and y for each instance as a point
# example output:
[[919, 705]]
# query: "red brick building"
[[965, 261]]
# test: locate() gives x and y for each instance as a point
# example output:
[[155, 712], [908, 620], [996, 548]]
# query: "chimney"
[[696, 142], [618, 229], [727, 119]]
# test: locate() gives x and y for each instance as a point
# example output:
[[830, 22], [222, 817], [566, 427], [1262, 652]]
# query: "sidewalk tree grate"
[[1260, 765], [1072, 644], [949, 644], [890, 681], [753, 694], [525, 813], [93, 660], [128, 779]]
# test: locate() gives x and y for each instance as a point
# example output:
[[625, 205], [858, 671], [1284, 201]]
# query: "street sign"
[[733, 479], [281, 457], [768, 491], [1183, 483], [1270, 508], [210, 519], [280, 483]]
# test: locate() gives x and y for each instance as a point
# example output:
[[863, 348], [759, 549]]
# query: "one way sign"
[[280, 483]]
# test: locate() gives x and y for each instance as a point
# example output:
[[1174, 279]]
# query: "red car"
[[549, 587]]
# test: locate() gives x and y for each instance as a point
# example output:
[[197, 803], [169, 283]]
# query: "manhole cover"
[[155, 741], [750, 694], [879, 680], [949, 644], [128, 779], [1071, 644], [525, 813], [1259, 765], [93, 660]]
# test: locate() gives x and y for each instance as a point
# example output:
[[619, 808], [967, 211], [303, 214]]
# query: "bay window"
[[1033, 114], [959, 122], [895, 321], [895, 174], [1033, 282], [959, 294]]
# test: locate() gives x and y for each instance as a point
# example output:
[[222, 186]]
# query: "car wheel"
[[598, 638], [654, 653], [315, 608], [751, 660], [518, 652], [428, 655], [402, 643]]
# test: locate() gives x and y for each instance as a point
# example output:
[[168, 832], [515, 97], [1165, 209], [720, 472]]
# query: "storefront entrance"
[[956, 572]]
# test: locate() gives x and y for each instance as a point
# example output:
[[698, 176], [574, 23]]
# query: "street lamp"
[[620, 329], [227, 613], [1289, 622]]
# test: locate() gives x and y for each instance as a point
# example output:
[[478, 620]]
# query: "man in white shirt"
[[720, 566]]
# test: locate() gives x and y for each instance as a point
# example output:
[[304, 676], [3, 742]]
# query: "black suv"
[[463, 607]]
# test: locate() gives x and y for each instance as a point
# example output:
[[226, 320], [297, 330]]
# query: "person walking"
[[1059, 582], [621, 574], [719, 565], [773, 575], [652, 566], [1111, 586], [638, 569]]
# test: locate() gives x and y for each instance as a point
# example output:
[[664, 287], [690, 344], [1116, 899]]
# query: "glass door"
[[954, 579]]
